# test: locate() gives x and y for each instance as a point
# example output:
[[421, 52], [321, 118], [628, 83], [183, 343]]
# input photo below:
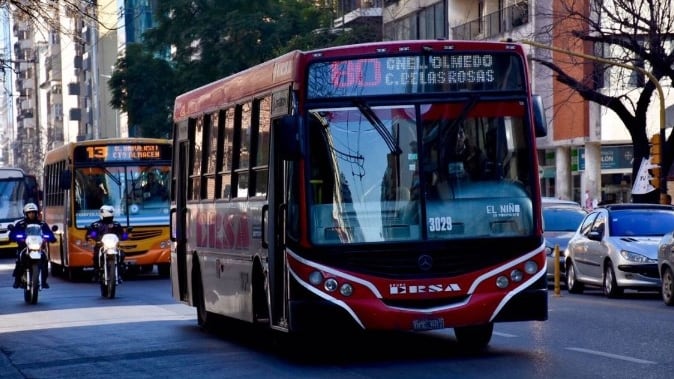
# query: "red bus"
[[382, 186]]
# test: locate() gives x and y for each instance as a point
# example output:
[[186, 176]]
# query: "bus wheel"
[[204, 317], [56, 269], [164, 270], [474, 338], [260, 298]]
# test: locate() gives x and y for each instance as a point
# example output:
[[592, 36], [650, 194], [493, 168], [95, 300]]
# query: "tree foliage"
[[635, 33], [204, 40], [142, 86]]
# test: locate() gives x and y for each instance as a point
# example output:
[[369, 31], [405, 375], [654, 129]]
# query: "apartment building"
[[58, 91]]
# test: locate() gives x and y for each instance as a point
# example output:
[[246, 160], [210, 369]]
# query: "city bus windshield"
[[437, 171], [139, 194], [12, 195]]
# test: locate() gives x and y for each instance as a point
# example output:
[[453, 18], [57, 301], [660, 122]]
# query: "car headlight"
[[549, 251], [634, 257]]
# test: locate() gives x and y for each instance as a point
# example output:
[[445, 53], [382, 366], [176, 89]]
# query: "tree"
[[207, 40], [630, 32], [142, 86]]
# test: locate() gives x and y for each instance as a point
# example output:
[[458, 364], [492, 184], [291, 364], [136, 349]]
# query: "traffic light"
[[655, 160]]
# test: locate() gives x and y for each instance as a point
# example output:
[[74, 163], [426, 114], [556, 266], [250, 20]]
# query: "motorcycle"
[[31, 258], [110, 261]]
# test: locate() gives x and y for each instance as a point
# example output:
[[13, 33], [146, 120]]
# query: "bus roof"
[[249, 82]]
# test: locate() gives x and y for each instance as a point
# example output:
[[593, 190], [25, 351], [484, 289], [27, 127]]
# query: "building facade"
[[57, 89], [588, 150]]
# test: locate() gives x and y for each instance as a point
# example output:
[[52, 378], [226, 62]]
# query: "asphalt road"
[[143, 333]]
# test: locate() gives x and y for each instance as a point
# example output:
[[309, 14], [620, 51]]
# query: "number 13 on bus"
[[385, 186]]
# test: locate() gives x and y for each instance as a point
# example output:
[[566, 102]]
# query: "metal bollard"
[[557, 271]]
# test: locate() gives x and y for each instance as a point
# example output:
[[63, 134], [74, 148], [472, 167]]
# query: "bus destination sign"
[[122, 153], [479, 71]]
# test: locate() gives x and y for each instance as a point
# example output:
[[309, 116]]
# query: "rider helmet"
[[30, 207], [107, 212]]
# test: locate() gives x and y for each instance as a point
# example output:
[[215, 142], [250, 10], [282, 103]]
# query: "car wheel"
[[572, 283], [668, 286], [611, 288]]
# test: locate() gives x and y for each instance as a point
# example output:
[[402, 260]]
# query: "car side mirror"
[[594, 236]]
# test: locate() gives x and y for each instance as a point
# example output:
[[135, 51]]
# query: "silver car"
[[561, 219], [616, 248]]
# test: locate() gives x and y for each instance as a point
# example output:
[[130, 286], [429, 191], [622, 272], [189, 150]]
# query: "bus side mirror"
[[64, 180], [287, 134], [540, 122]]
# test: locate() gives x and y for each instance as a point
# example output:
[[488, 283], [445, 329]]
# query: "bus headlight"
[[516, 275], [315, 278], [346, 289], [330, 284], [530, 267], [502, 282]]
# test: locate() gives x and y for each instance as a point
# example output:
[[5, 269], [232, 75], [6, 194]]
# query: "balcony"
[[368, 11], [493, 24]]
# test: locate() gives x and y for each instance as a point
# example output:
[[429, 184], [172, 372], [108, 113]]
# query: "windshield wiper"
[[379, 127]]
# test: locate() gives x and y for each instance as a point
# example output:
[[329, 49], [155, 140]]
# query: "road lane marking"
[[609, 355], [67, 318], [504, 335]]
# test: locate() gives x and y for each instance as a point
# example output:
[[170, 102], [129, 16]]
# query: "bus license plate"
[[428, 324]]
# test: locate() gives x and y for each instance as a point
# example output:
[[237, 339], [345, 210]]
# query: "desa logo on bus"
[[404, 289]]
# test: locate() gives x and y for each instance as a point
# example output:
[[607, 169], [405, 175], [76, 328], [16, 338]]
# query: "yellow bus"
[[81, 176]]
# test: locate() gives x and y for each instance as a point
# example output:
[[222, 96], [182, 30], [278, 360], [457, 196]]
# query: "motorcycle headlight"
[[109, 241], [34, 242]]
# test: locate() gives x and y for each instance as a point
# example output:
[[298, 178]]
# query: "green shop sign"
[[612, 157]]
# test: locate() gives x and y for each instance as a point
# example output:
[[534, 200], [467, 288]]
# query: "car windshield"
[[644, 223], [562, 219]]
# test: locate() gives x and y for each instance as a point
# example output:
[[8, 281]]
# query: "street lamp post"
[[651, 77]]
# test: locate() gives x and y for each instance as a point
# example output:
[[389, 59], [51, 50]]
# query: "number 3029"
[[439, 224]]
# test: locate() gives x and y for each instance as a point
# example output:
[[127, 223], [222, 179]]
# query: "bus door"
[[179, 215], [275, 218]]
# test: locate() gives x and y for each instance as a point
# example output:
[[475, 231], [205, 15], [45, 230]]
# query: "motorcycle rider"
[[18, 234], [97, 229]]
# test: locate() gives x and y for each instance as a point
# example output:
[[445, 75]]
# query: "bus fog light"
[[346, 289], [315, 278], [502, 282], [330, 284], [516, 275], [530, 267]]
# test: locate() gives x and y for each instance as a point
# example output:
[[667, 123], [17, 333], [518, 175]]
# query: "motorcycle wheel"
[[30, 292], [108, 289]]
